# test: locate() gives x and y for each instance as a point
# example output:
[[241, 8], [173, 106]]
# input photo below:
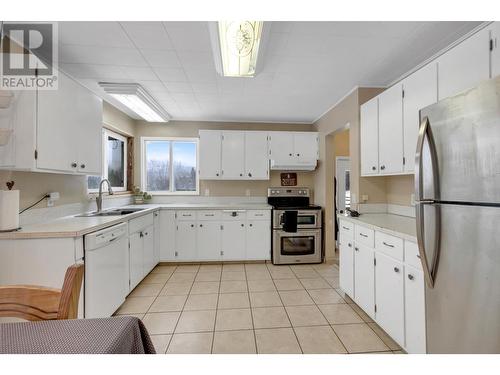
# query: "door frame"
[[337, 159]]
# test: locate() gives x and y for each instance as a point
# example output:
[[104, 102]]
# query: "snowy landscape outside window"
[[170, 165]]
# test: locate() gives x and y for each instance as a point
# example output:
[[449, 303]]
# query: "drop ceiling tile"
[[282, 26], [71, 53], [277, 43], [205, 88], [150, 35], [171, 74], [196, 59], [161, 58], [201, 75], [178, 87], [105, 34], [189, 36], [140, 73], [86, 71], [153, 86]]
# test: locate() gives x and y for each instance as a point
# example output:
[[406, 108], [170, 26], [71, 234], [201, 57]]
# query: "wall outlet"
[[364, 198], [207, 192], [247, 192], [54, 196], [412, 200]]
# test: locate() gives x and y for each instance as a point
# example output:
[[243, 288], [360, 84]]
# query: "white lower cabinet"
[[364, 278], [209, 240], [148, 249], [157, 243], [233, 240], [136, 259], [414, 310], [389, 296], [141, 248], [258, 240], [185, 241], [346, 267], [168, 230]]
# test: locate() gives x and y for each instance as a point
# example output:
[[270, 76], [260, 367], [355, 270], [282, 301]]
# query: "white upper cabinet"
[[210, 154], [420, 90], [281, 147], [495, 49], [390, 130], [369, 137], [465, 65], [305, 146], [233, 155], [293, 150], [256, 156]]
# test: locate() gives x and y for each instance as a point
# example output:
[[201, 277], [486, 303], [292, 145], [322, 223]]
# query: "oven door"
[[304, 246], [305, 218]]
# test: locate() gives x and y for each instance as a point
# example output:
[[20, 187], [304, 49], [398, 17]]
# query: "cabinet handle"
[[356, 248], [418, 256], [242, 225], [192, 225], [156, 214], [249, 175], [74, 165], [374, 168], [363, 235], [410, 276], [201, 225], [349, 245], [396, 269], [382, 167], [82, 166], [346, 228], [251, 225], [290, 154], [387, 244], [141, 234], [298, 154], [217, 174], [145, 233], [176, 253]]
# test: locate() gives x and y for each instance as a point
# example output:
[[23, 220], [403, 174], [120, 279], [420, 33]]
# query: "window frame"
[[194, 140], [104, 167]]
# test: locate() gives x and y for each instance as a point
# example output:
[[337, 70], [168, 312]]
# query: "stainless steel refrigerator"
[[457, 188]]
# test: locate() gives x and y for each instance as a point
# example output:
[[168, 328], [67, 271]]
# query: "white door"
[[209, 240], [256, 156], [414, 310], [420, 90], [233, 155], [233, 240], [369, 137], [305, 146], [258, 240], [389, 296], [167, 235], [136, 259], [185, 238], [495, 52], [57, 131], [281, 147], [343, 186], [210, 154], [364, 278], [346, 267], [390, 130], [148, 249], [465, 65]]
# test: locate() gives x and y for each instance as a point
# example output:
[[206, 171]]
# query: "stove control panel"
[[288, 192]]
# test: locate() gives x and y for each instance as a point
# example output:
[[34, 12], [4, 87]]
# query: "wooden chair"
[[42, 303]]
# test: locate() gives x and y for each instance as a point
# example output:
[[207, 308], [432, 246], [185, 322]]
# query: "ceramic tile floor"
[[252, 308]]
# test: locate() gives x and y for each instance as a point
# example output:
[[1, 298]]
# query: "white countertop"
[[396, 225], [73, 226]]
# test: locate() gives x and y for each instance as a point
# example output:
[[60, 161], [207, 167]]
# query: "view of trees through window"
[[170, 166]]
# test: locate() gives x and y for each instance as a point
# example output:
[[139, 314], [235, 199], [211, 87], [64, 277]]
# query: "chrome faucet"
[[99, 197]]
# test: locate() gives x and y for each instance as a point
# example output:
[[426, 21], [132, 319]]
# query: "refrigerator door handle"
[[425, 132]]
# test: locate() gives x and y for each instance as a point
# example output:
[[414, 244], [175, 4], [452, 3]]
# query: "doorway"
[[342, 190]]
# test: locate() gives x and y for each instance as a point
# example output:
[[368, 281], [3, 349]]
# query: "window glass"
[[184, 164], [115, 155], [157, 165]]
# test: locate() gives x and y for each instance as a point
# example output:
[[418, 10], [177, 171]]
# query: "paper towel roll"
[[9, 209]]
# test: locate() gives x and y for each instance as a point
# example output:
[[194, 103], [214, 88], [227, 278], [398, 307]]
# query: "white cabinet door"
[[346, 267], [233, 155], [210, 154], [369, 137], [420, 90], [136, 259], [148, 249], [390, 130], [88, 119], [233, 240], [167, 235], [389, 296], [209, 240], [258, 240], [185, 238], [464, 66], [364, 278], [495, 52], [256, 156], [305, 146], [414, 310], [157, 228], [281, 147], [57, 131]]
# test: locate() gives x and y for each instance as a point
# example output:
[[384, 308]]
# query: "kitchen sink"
[[113, 212]]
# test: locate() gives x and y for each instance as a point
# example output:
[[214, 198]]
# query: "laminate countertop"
[[395, 225], [75, 226]]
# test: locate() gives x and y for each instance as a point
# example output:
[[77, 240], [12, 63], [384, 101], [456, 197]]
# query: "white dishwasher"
[[106, 270]]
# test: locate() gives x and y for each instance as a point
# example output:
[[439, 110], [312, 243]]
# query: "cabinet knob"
[[192, 225], [410, 276], [242, 225], [396, 269], [241, 174], [74, 165], [141, 234], [356, 248], [201, 225], [217, 174], [374, 168], [382, 167], [290, 154], [349, 244], [298, 154], [249, 175], [82, 166], [251, 225]]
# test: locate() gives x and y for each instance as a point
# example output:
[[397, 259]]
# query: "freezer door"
[[466, 132], [463, 306]]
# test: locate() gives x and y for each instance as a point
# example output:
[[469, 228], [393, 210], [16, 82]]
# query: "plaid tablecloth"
[[117, 335]]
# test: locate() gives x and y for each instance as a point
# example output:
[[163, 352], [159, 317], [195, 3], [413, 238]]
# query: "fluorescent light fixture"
[[138, 100], [238, 47]]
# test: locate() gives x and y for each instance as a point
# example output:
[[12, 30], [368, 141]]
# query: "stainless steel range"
[[297, 226]]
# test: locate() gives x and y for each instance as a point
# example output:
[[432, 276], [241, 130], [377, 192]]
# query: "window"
[[170, 165], [114, 157]]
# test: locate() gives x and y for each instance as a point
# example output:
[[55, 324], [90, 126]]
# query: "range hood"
[[293, 165]]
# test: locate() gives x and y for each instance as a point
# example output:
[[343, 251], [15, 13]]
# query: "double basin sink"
[[112, 212]]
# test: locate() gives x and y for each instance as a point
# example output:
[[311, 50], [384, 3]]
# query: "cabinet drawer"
[[259, 215], [346, 240], [412, 256], [364, 235], [390, 245], [346, 228], [230, 215], [139, 223], [208, 215], [186, 215]]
